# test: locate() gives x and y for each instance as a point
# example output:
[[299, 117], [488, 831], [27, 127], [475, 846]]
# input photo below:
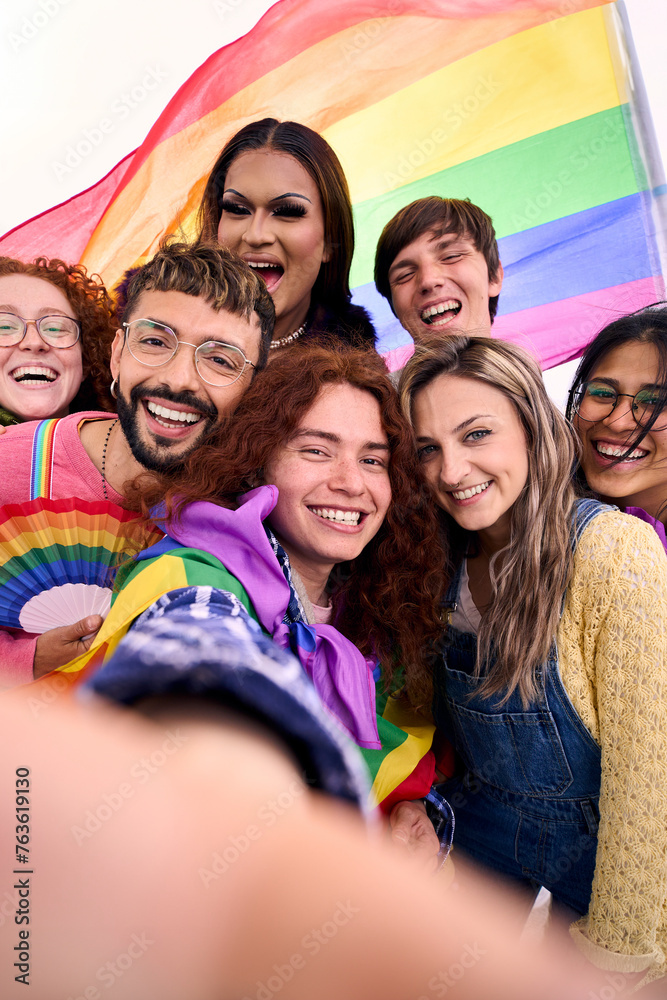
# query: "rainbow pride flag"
[[531, 108]]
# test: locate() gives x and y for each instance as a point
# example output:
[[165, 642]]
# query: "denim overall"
[[526, 803]]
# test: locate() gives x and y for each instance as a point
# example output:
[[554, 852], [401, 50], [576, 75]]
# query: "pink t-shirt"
[[74, 475], [322, 615]]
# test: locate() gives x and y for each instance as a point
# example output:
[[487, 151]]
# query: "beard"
[[160, 457]]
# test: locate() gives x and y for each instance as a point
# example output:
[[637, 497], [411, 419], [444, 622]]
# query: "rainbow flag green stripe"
[[140, 584], [184, 567], [570, 169]]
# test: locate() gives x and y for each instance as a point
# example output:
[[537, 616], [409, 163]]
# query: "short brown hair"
[[438, 216], [207, 270], [94, 309], [332, 287]]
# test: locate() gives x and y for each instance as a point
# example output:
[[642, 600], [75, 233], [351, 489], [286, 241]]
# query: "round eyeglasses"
[[55, 331], [595, 400], [154, 344]]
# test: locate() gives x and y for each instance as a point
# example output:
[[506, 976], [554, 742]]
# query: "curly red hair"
[[387, 599], [94, 310]]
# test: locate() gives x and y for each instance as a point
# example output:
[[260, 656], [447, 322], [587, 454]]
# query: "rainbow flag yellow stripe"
[[531, 114]]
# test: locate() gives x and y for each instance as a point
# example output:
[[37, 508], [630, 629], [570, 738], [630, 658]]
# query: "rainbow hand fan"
[[58, 559]]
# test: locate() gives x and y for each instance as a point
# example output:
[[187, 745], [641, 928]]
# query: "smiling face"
[[641, 479], [37, 381], [441, 284], [333, 484], [166, 412], [271, 215], [473, 450]]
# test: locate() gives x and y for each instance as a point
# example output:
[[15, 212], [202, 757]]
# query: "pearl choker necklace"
[[288, 339]]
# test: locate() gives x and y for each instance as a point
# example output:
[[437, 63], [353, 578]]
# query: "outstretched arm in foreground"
[[184, 857]]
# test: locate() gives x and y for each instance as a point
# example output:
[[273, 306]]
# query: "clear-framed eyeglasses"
[[154, 344], [55, 331], [595, 400]]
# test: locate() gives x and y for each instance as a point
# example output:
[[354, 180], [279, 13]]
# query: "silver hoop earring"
[[112, 389]]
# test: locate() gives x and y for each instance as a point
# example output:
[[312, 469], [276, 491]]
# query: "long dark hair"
[[646, 326], [332, 286]]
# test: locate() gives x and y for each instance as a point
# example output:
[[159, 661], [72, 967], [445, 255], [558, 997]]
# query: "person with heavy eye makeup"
[[618, 405], [552, 673], [278, 197]]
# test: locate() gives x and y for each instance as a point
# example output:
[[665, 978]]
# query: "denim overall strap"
[[585, 509], [530, 782]]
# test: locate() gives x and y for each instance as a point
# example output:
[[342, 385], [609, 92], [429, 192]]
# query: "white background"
[[68, 64]]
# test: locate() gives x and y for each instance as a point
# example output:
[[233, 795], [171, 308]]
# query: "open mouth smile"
[[351, 518], [270, 272], [471, 492], [617, 451], [441, 313], [34, 375], [172, 419]]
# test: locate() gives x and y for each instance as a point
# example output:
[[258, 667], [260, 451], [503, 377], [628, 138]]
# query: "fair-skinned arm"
[[412, 830], [125, 837]]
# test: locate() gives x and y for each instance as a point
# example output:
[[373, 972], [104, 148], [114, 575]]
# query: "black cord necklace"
[[104, 459]]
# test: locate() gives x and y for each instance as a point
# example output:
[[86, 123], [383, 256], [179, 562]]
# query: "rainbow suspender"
[[41, 466]]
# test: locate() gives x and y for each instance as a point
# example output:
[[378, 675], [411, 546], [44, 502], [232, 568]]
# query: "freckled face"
[[333, 481], [36, 380], [272, 216], [473, 449], [640, 480]]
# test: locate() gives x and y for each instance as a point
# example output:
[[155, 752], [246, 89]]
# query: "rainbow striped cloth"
[[537, 117], [404, 766]]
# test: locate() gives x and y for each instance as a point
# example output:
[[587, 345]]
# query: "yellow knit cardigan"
[[612, 648]]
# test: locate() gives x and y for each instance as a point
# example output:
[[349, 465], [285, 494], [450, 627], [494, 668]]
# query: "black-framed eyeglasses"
[[55, 331], [154, 344], [595, 400]]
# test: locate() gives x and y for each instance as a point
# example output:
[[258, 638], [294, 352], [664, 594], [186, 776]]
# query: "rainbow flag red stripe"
[[535, 116]]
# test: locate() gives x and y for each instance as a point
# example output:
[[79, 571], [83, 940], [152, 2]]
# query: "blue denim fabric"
[[526, 803]]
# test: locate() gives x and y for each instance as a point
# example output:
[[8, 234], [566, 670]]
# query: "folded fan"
[[58, 559]]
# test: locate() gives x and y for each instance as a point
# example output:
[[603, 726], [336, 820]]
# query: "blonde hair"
[[521, 623]]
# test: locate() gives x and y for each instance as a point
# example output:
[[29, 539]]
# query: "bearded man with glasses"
[[197, 324]]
